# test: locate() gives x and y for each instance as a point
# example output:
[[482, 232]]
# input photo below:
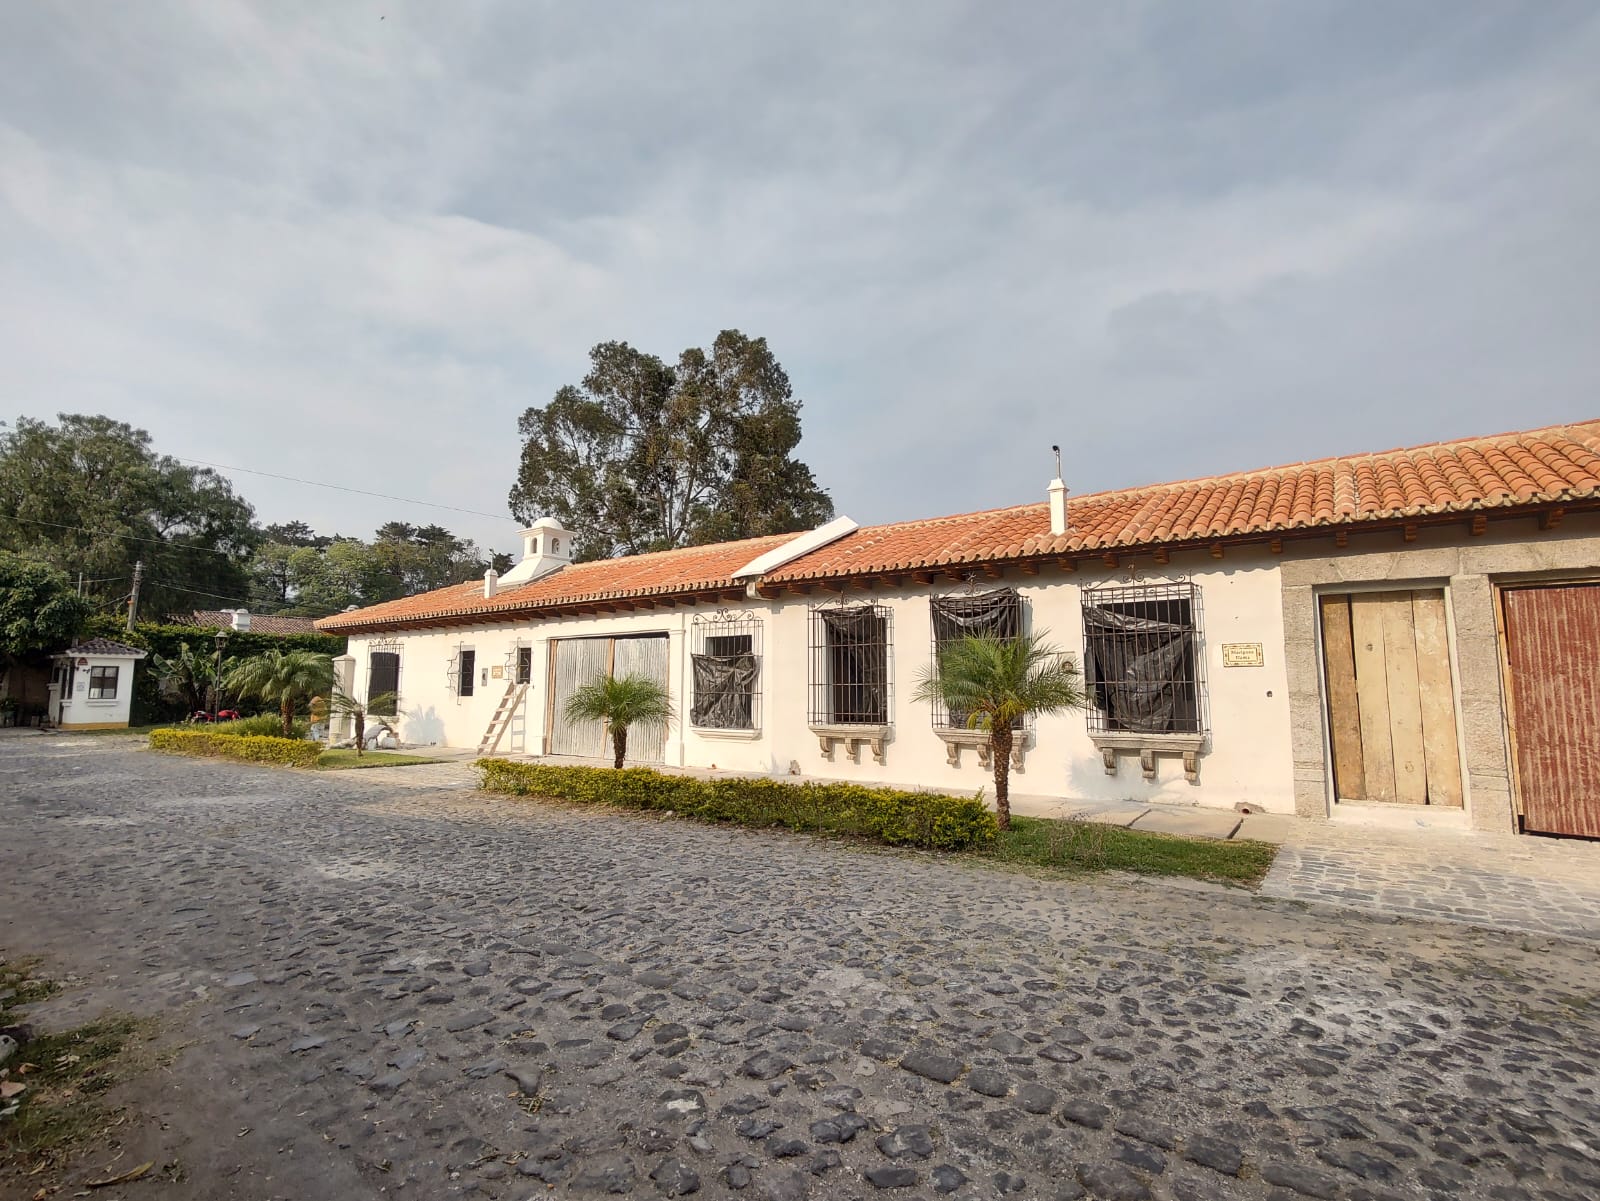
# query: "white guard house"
[[91, 685]]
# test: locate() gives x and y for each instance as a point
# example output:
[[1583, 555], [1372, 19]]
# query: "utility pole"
[[133, 600]]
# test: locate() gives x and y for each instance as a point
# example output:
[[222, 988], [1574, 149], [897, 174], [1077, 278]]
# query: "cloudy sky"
[[352, 241]]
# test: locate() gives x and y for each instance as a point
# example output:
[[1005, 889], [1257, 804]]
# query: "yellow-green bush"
[[922, 819], [249, 748]]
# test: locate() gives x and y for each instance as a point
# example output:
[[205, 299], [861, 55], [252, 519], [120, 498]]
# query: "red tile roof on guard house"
[[1505, 473]]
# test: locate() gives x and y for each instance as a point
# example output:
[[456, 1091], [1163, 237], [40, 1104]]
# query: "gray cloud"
[[1175, 239]]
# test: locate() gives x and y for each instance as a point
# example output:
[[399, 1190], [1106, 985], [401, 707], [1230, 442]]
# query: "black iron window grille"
[[725, 655], [383, 679], [462, 671], [850, 678], [999, 613], [103, 683], [519, 663], [1143, 664]]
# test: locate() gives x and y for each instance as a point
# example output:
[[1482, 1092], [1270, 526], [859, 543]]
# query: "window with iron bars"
[[998, 613], [461, 672], [383, 678], [725, 654], [519, 663], [1143, 664], [850, 678]]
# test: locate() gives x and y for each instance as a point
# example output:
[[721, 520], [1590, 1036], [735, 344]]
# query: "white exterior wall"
[[1247, 757], [78, 712]]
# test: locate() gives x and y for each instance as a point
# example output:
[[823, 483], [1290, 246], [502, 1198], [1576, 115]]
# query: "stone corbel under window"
[[1149, 746], [829, 736], [954, 740]]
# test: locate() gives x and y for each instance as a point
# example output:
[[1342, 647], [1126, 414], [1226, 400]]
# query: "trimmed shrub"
[[249, 748], [921, 819], [268, 725]]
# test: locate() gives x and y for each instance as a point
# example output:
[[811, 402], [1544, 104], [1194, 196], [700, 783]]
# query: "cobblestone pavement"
[[415, 993], [1536, 885]]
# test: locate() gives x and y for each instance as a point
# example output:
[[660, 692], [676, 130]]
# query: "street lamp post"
[[216, 675]]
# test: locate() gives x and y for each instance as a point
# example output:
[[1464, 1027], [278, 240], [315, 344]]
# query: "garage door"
[[576, 662], [1553, 649]]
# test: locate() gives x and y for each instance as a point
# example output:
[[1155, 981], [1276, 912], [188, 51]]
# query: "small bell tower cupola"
[[546, 547]]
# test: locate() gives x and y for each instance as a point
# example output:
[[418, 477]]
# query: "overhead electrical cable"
[[294, 479]]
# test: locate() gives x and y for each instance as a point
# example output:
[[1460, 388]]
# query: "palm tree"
[[348, 706], [283, 680], [997, 682], [187, 676], [622, 702]]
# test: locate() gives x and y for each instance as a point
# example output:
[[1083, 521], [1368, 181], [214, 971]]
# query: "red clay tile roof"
[[1546, 466], [1508, 471], [694, 569], [260, 623]]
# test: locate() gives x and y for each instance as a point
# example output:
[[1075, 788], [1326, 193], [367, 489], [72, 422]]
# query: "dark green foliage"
[[247, 748], [314, 577], [90, 495], [284, 679], [149, 706], [644, 456], [922, 819], [40, 610]]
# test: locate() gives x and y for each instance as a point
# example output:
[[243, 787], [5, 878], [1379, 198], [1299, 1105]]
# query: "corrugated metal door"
[[577, 661], [1553, 649], [645, 656]]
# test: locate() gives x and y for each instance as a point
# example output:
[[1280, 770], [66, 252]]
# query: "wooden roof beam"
[[1551, 518]]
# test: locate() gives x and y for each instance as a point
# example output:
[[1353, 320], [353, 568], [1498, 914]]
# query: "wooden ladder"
[[510, 705]]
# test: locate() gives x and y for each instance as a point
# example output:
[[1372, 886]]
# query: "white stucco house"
[[91, 685], [1403, 632]]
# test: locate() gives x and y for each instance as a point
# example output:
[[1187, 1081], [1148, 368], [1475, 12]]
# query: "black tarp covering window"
[[1140, 670], [996, 613], [858, 665], [724, 691]]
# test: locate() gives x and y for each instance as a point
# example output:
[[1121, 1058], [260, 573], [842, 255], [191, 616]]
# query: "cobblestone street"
[[421, 992]]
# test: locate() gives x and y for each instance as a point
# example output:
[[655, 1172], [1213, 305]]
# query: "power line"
[[405, 500], [83, 529]]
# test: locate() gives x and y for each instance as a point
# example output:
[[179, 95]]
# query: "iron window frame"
[[389, 647], [1099, 720], [1024, 612], [726, 624], [458, 673], [822, 710]]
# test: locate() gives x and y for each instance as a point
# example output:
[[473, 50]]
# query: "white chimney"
[[241, 620], [546, 547], [491, 583], [1058, 499]]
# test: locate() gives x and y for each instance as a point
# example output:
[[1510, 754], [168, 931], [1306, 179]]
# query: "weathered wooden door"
[[1553, 649], [1391, 698]]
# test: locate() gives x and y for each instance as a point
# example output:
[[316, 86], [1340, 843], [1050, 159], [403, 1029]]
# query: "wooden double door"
[[1391, 698], [1552, 641]]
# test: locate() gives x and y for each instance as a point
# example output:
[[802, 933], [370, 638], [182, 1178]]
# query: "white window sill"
[[956, 739], [733, 735], [851, 736], [1189, 746]]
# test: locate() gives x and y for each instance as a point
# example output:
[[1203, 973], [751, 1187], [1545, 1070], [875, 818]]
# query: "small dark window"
[[103, 683], [383, 678], [1142, 661], [468, 676], [524, 664]]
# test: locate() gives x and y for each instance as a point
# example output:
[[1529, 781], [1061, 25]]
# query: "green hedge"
[[922, 819], [250, 748]]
